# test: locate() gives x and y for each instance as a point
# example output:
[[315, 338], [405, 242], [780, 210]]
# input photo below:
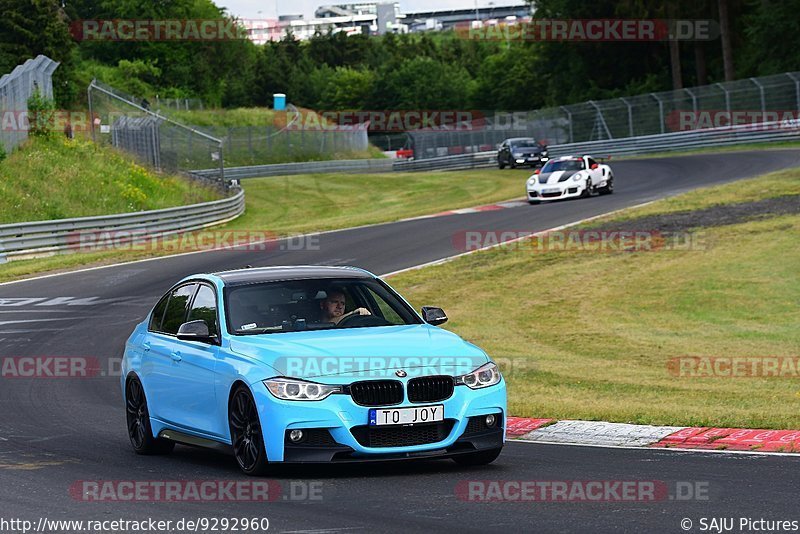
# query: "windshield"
[[524, 143], [563, 165], [320, 304]]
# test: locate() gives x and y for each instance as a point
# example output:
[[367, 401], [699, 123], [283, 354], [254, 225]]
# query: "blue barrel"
[[279, 101]]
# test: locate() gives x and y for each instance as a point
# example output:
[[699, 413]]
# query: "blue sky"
[[249, 9]]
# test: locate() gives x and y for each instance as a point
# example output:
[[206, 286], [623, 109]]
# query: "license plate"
[[406, 416], [548, 191]]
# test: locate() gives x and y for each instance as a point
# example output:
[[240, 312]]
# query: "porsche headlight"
[[577, 177], [482, 377], [532, 182], [299, 390]]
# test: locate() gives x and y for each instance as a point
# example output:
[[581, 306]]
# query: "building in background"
[[378, 18]]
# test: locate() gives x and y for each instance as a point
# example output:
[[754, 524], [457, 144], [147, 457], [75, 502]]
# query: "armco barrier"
[[629, 146], [30, 239]]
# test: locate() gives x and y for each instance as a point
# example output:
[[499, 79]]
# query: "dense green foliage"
[[435, 70]]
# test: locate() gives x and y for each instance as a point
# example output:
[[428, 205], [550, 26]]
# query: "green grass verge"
[[58, 178], [589, 335], [310, 203]]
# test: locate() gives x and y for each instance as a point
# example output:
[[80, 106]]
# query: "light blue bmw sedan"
[[307, 364]]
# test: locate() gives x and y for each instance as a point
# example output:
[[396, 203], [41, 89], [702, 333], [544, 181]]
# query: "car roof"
[[520, 138], [289, 272]]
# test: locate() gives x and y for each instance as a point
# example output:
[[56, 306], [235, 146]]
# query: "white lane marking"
[[529, 236], [38, 320]]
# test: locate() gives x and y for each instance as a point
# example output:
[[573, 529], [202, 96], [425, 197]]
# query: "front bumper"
[[345, 424], [568, 189], [529, 160]]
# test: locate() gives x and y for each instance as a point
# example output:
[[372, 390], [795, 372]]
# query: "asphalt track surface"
[[57, 432]]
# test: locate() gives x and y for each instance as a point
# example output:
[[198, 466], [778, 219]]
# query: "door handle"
[[176, 356], [146, 346]]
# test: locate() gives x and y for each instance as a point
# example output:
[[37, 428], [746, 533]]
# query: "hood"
[[363, 353], [554, 177]]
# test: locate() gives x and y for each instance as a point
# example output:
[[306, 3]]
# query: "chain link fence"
[[125, 122], [286, 143], [748, 101], [15, 90]]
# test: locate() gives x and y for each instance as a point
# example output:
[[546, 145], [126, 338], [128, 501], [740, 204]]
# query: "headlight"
[[482, 377], [299, 390], [577, 177], [532, 182], [517, 154], [544, 153]]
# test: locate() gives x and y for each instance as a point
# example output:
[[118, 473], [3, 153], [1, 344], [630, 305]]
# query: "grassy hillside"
[[57, 178]]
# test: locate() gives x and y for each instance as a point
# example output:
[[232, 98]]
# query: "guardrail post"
[[221, 167], [630, 117], [796, 87], [727, 98], [660, 110], [91, 115], [760, 90], [694, 99], [569, 119]]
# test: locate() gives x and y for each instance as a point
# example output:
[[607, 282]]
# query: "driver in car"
[[333, 307]]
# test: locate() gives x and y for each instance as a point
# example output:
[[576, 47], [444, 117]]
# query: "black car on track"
[[520, 151]]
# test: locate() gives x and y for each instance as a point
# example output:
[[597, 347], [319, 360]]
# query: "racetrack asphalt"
[[57, 432]]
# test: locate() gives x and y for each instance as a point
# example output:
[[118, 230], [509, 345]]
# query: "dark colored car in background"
[[521, 151]]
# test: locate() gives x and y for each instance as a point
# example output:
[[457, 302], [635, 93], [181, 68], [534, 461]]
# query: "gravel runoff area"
[[723, 214]]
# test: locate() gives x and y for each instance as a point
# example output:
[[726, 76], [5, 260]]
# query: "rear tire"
[[138, 416], [246, 435], [478, 458]]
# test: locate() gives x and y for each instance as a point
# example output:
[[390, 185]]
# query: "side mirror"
[[537, 171], [594, 166], [196, 331], [434, 316]]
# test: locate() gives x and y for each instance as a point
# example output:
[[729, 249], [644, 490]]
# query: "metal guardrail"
[[39, 238]]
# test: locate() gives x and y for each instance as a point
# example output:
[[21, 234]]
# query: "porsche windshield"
[[319, 304], [563, 165]]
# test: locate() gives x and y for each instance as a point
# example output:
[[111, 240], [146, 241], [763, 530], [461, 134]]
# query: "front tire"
[[586, 193], [534, 202], [246, 435], [609, 188], [138, 416], [478, 458]]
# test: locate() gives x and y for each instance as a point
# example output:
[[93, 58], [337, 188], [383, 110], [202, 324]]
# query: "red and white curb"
[[603, 434]]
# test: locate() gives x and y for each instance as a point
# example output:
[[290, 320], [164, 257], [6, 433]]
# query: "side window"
[[592, 162], [388, 313], [176, 309], [205, 307], [158, 314]]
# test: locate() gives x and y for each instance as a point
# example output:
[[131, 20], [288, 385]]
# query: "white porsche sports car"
[[568, 177]]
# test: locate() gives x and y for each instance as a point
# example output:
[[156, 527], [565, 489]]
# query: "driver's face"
[[333, 305]]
